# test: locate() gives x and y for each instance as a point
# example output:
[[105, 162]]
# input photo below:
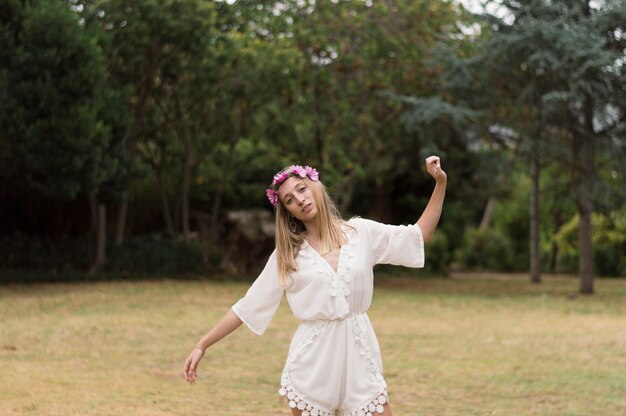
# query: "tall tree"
[[153, 47], [53, 119], [356, 53], [563, 61]]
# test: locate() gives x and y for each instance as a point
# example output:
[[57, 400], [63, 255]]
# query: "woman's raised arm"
[[430, 217]]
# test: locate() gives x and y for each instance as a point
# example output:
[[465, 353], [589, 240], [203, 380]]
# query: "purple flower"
[[280, 177], [298, 170], [272, 195], [312, 173]]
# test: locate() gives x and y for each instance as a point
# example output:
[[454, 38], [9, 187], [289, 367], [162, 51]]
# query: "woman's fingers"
[[191, 365], [433, 166], [189, 371]]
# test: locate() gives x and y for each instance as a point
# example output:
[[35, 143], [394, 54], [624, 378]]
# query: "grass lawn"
[[466, 345]]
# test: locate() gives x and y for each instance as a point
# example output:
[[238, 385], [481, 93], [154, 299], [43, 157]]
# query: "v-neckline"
[[330, 267]]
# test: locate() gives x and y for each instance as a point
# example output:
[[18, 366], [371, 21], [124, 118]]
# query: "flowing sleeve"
[[400, 245], [257, 308]]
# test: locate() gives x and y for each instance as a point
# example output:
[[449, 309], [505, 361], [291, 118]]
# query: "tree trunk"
[[557, 222], [98, 235], [93, 229], [381, 208], [217, 203], [486, 219], [535, 262], [121, 220], [585, 164], [145, 88], [185, 191], [319, 137], [165, 206]]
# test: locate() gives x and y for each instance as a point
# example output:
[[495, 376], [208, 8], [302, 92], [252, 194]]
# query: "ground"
[[478, 344]]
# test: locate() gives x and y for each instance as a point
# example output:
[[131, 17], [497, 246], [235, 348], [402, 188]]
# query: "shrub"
[[609, 244], [146, 254], [485, 249], [438, 257]]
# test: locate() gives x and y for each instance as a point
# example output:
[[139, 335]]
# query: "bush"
[[67, 258], [34, 253], [151, 255], [486, 249], [609, 244], [438, 257]]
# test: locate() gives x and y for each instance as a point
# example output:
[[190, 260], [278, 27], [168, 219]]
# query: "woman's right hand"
[[191, 364]]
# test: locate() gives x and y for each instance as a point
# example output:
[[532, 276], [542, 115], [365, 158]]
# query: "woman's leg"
[[296, 412]]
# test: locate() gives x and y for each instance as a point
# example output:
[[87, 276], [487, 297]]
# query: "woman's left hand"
[[433, 166]]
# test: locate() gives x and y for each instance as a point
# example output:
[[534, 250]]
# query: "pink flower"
[[272, 195], [312, 173], [298, 170], [280, 177]]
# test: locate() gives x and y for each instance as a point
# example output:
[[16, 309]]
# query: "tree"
[[53, 109], [562, 60]]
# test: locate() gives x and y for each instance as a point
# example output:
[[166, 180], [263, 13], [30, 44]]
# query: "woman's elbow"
[[428, 236]]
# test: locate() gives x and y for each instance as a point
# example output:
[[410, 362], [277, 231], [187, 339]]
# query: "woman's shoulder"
[[358, 222], [351, 223]]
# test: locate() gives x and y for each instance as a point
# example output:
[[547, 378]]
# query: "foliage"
[[20, 251], [189, 107], [52, 125], [155, 256], [146, 255], [486, 249], [438, 255], [609, 240]]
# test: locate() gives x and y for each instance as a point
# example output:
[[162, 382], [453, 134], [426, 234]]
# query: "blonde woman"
[[324, 266]]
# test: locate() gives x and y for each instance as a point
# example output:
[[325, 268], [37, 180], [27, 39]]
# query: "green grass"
[[468, 345]]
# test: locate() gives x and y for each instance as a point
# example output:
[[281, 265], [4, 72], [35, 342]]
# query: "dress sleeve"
[[257, 308], [401, 245]]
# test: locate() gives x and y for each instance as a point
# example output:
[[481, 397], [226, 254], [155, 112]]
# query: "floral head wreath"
[[279, 178]]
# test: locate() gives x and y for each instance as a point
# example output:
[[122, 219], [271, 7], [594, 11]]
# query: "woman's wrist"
[[198, 347]]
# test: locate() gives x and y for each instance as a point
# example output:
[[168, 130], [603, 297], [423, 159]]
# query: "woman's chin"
[[308, 216]]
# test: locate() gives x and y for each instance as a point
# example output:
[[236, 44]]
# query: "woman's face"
[[298, 199]]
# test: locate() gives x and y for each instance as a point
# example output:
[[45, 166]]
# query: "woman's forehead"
[[288, 185]]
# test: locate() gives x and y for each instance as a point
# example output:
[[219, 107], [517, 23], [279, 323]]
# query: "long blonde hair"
[[288, 243]]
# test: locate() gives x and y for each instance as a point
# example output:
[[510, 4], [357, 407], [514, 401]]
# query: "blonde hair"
[[288, 243]]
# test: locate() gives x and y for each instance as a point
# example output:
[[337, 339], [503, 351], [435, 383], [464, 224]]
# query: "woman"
[[325, 267]]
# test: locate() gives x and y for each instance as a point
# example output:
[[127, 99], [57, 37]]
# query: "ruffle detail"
[[371, 408], [307, 342], [364, 348], [338, 282], [296, 401]]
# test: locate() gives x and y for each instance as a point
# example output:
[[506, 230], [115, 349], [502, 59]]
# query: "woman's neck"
[[312, 231]]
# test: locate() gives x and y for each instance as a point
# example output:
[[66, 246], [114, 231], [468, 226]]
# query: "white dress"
[[334, 365]]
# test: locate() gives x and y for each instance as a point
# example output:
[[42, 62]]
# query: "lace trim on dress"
[[340, 281], [368, 409], [307, 342], [364, 348], [296, 400]]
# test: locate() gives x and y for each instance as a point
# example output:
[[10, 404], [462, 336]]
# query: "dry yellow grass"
[[469, 345]]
